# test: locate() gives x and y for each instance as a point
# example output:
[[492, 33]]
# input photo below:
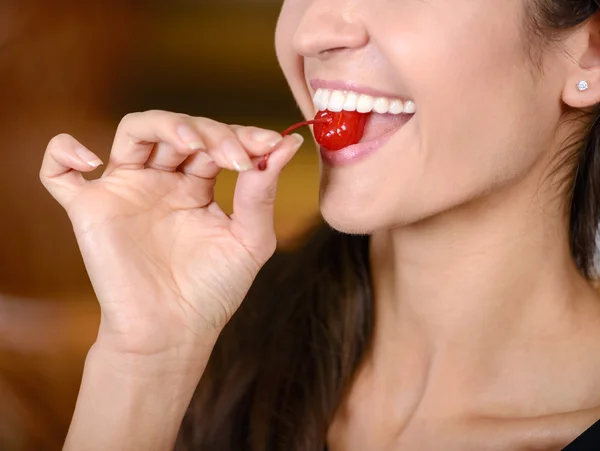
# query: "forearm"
[[128, 403]]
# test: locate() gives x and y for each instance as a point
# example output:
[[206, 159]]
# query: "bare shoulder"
[[557, 431], [577, 374]]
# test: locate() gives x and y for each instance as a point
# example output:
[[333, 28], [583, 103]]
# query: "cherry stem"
[[324, 120]]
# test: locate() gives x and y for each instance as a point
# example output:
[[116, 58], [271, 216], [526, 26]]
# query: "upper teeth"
[[337, 101]]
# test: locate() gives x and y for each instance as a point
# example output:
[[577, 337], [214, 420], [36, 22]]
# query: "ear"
[[583, 65]]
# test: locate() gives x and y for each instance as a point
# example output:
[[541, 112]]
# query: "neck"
[[478, 276]]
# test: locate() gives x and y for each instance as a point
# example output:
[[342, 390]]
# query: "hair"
[[285, 361]]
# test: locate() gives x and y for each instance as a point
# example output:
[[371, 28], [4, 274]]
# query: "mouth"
[[386, 114]]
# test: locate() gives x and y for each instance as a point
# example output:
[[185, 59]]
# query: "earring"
[[583, 85]]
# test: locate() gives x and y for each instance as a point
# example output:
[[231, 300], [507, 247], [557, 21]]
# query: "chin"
[[361, 212], [349, 226], [350, 215]]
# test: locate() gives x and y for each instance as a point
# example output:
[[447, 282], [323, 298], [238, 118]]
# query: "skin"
[[477, 300]]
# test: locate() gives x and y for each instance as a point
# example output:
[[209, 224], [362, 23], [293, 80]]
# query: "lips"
[[378, 130]]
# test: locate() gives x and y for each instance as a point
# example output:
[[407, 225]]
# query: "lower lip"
[[356, 152]]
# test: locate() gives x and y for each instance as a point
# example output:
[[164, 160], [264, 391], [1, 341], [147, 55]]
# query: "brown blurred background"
[[78, 67]]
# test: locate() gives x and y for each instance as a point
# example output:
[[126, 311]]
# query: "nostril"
[[325, 31], [334, 50]]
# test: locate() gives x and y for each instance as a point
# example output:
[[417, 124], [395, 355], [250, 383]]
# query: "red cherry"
[[333, 131], [343, 129]]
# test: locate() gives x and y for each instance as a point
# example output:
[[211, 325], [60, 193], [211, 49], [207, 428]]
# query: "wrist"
[[132, 402], [176, 365]]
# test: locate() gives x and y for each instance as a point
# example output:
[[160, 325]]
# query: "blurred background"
[[78, 67]]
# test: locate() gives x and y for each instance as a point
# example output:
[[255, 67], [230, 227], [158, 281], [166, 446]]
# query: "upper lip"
[[341, 85]]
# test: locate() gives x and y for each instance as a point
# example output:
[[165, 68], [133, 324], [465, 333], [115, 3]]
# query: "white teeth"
[[324, 99], [351, 101], [381, 106], [317, 98], [365, 104], [396, 106], [336, 101], [409, 107]]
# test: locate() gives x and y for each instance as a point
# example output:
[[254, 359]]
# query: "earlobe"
[[583, 92], [582, 87]]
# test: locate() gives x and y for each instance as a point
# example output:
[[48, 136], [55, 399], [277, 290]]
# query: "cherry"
[[344, 129], [333, 131]]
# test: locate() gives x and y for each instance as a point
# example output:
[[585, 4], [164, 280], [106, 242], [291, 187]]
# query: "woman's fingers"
[[200, 165], [139, 134], [254, 199], [64, 161], [166, 157], [222, 145], [195, 146], [254, 141], [163, 140], [257, 141]]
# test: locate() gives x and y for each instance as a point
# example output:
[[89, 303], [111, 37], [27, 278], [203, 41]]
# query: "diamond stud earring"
[[583, 85]]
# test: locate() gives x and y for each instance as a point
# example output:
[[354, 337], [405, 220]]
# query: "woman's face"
[[485, 118]]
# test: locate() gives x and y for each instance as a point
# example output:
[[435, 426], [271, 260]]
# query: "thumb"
[[254, 199], [64, 160]]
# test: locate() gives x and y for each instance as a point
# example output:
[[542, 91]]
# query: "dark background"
[[78, 67]]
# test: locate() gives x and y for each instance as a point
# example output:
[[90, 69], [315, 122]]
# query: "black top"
[[588, 441]]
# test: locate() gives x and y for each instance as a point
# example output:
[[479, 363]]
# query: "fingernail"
[[299, 138], [204, 157], [236, 155], [190, 137], [88, 157], [267, 137]]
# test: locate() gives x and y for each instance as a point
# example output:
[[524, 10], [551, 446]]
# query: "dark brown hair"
[[284, 362]]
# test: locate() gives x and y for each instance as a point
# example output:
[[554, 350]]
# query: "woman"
[[454, 311]]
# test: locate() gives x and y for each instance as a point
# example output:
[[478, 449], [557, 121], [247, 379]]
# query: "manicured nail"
[[204, 157], [236, 155], [190, 137], [267, 137], [88, 157]]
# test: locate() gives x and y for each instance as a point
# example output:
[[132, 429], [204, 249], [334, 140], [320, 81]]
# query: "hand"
[[169, 267]]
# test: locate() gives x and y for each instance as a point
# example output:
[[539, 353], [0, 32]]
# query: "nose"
[[329, 26]]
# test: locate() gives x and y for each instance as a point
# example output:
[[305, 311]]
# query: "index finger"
[[138, 133]]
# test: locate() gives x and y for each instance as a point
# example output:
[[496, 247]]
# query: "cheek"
[[283, 37], [290, 62], [474, 91], [484, 135], [482, 122]]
